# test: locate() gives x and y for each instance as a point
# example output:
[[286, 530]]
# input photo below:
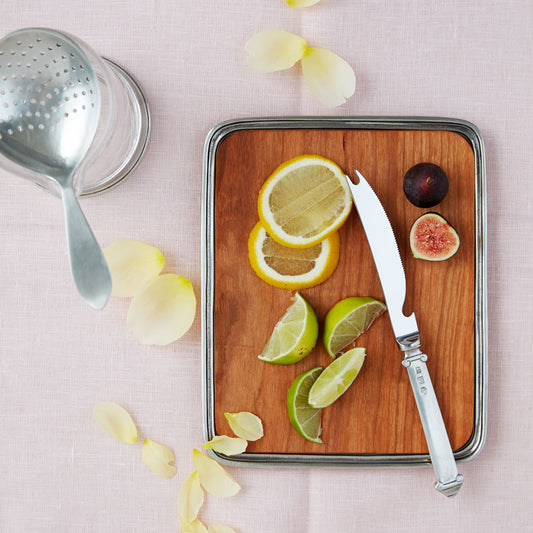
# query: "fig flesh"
[[433, 238], [425, 184]]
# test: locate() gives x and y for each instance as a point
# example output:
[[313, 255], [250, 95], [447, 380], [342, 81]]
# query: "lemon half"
[[304, 200], [292, 268]]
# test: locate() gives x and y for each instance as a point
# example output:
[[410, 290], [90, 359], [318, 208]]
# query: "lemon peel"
[[159, 458], [114, 419], [132, 264], [163, 311], [190, 498], [329, 77], [274, 50], [301, 3], [192, 527], [226, 445], [245, 425], [219, 528], [213, 477], [292, 268]]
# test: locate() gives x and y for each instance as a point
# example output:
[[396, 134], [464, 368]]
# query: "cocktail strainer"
[[49, 113]]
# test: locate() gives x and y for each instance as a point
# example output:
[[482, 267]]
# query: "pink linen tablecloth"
[[58, 357]]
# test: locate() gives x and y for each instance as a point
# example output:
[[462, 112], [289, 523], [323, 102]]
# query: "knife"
[[392, 277]]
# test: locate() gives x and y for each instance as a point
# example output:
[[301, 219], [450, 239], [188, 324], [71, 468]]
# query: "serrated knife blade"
[[389, 265]]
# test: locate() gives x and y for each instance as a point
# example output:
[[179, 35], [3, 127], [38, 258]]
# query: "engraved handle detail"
[[449, 481]]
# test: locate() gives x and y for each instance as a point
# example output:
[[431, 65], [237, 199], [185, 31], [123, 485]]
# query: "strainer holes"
[[41, 126], [67, 98], [53, 109], [58, 45], [84, 107], [66, 115], [47, 115], [29, 113], [49, 96], [10, 131], [75, 95], [19, 43], [51, 128], [37, 114], [74, 110], [30, 126]]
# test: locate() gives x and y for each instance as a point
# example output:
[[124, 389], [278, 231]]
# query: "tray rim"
[[213, 140]]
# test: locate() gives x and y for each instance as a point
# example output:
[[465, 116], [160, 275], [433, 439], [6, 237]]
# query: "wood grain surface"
[[377, 415]]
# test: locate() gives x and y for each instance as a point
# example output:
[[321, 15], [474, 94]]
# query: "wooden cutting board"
[[377, 415]]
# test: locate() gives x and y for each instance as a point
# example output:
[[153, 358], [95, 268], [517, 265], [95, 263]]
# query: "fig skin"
[[433, 238], [425, 185]]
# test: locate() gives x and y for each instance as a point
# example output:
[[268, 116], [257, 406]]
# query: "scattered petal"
[[227, 445], [190, 498], [301, 3], [219, 528], [163, 311], [272, 50], [192, 527], [159, 458], [132, 264], [213, 477], [245, 425], [114, 419], [330, 78]]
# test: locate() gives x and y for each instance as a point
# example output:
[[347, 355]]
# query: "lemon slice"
[[348, 319], [292, 268], [304, 200], [336, 378], [294, 335], [306, 420]]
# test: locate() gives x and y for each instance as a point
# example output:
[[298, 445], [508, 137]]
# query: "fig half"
[[433, 238]]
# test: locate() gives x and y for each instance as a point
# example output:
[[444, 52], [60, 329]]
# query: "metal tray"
[[209, 256]]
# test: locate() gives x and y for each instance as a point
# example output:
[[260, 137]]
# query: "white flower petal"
[[219, 528], [159, 458], [192, 527], [226, 445], [330, 78], [213, 477], [272, 50], [301, 3], [114, 419], [190, 498], [163, 311], [245, 425], [131, 265]]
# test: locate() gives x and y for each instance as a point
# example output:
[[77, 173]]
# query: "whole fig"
[[425, 184]]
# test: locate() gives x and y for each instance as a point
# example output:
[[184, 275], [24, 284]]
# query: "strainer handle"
[[87, 262]]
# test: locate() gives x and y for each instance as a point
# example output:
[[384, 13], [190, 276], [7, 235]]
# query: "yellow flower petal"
[[226, 445], [131, 265], [163, 311], [272, 50], [190, 498], [302, 3], [192, 527], [213, 477], [219, 528], [114, 419], [159, 458], [245, 425], [329, 77]]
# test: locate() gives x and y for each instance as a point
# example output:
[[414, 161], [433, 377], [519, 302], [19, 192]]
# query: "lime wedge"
[[305, 419], [336, 378], [348, 319], [294, 336]]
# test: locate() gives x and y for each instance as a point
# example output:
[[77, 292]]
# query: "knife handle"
[[449, 481]]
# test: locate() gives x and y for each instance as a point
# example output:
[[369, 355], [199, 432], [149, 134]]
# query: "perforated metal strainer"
[[49, 113]]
